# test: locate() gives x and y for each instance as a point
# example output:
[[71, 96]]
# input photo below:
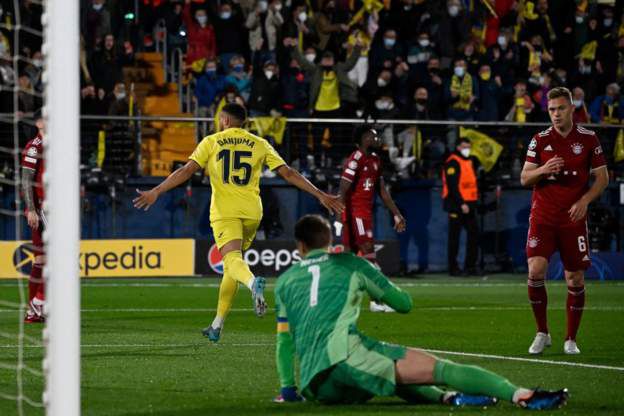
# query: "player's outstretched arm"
[[533, 173], [147, 198], [331, 202], [399, 221], [380, 288]]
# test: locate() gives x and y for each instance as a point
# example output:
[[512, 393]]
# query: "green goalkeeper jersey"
[[318, 303]]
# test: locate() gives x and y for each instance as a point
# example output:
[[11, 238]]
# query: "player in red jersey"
[[32, 190], [361, 180], [559, 163]]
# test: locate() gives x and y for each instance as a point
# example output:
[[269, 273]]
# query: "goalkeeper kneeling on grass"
[[318, 303]]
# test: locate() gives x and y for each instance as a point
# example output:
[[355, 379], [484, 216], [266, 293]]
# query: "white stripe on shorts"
[[360, 226]]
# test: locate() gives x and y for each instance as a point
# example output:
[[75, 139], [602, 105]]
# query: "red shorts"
[[356, 231], [571, 241]]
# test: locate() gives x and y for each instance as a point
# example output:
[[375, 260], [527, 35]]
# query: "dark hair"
[[360, 131], [314, 231], [461, 140], [236, 111], [560, 92]]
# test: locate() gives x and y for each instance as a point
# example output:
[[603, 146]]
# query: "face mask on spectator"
[[501, 40], [239, 67], [202, 19], [577, 103], [97, 7], [459, 71], [453, 10], [580, 19], [389, 42], [263, 5], [226, 15], [37, 63], [384, 105], [268, 74], [120, 95], [465, 152], [381, 82], [303, 16], [423, 43], [585, 69], [607, 22], [310, 57]]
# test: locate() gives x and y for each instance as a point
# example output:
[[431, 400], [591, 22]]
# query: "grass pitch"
[[143, 354]]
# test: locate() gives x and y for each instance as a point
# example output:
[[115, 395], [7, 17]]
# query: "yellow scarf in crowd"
[[463, 88]]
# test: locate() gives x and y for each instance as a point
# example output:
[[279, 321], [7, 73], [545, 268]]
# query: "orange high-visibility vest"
[[467, 179]]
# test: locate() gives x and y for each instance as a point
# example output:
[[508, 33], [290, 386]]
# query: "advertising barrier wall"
[[273, 257], [111, 258]]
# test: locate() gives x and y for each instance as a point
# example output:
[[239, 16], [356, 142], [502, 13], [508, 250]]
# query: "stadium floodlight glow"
[[61, 206]]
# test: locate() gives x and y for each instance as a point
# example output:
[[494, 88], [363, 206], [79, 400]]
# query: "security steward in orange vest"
[[460, 194]]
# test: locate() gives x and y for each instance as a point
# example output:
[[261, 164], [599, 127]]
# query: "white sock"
[[218, 322], [520, 394], [251, 283]]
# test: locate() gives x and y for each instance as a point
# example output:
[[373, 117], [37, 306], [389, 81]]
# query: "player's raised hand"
[[552, 166], [578, 210], [145, 199], [333, 203], [399, 223]]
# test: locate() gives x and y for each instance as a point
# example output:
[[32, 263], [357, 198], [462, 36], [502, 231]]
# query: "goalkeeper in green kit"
[[318, 304]]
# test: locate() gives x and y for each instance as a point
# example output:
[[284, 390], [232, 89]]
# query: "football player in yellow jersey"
[[233, 159]]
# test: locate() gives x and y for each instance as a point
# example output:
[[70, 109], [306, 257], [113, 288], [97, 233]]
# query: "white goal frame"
[[61, 206]]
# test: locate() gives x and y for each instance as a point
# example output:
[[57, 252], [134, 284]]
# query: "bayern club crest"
[[215, 261], [533, 242], [577, 148]]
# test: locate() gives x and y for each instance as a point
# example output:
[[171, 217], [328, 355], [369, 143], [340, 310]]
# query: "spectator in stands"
[[461, 90], [608, 108], [453, 30], [34, 70], [298, 26], [119, 105], [96, 23], [472, 58], [418, 55], [362, 33], [264, 24], [201, 35], [580, 115], [522, 105], [176, 31], [434, 85], [239, 77], [28, 103], [231, 33], [91, 103], [295, 93], [328, 28], [106, 65], [265, 89], [208, 87], [504, 60], [384, 51], [489, 95]]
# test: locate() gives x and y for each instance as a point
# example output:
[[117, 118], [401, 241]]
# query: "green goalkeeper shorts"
[[368, 371]]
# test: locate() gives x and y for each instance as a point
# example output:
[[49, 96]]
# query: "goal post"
[[61, 207]]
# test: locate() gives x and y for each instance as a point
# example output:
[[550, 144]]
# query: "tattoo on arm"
[[27, 188]]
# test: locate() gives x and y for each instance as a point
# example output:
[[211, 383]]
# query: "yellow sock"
[[227, 292], [235, 266]]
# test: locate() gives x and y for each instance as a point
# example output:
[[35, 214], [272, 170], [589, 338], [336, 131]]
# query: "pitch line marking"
[[444, 352]]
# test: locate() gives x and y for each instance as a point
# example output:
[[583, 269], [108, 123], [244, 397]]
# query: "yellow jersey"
[[234, 159]]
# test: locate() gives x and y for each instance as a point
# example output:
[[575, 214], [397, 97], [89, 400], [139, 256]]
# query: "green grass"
[[153, 360]]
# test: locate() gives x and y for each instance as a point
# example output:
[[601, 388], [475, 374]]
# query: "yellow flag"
[[270, 126], [484, 148], [528, 11], [588, 52], [618, 151]]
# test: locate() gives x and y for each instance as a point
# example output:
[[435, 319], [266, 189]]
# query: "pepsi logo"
[[215, 260]]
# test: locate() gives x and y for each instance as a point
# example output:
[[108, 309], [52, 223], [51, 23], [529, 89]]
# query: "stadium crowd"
[[393, 59]]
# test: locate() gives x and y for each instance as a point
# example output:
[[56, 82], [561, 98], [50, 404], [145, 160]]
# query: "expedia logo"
[[23, 258], [133, 259]]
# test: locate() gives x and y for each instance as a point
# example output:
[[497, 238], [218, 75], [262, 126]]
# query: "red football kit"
[[364, 172], [550, 226], [32, 158]]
